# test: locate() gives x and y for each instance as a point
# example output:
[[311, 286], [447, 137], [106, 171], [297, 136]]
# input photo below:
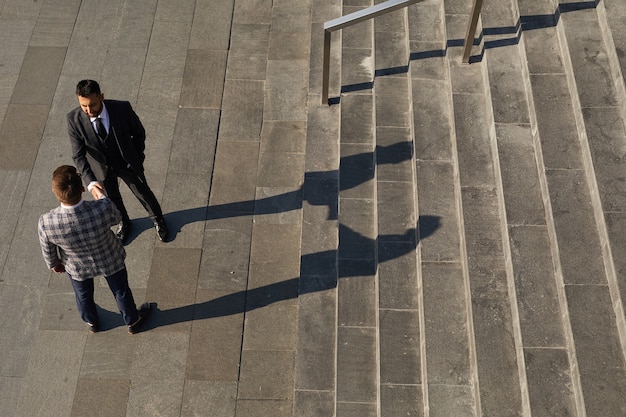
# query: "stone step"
[[589, 271], [560, 159], [494, 322], [545, 362], [449, 373]]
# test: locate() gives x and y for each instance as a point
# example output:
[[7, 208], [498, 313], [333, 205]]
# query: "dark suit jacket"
[[88, 152]]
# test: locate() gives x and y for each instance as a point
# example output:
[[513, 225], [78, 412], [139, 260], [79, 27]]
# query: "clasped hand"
[[97, 191]]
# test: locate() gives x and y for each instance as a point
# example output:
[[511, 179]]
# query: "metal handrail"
[[471, 31], [349, 20], [377, 10]]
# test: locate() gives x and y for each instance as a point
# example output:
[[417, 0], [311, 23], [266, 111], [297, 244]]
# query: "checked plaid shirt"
[[80, 237]]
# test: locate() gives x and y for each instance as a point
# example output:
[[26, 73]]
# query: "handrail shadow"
[[524, 23]]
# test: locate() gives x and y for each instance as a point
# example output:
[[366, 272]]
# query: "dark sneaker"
[[144, 313], [93, 327]]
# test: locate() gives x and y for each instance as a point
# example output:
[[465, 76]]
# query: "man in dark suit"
[[108, 142], [76, 238]]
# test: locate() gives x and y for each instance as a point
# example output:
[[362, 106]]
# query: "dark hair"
[[85, 88], [66, 184]]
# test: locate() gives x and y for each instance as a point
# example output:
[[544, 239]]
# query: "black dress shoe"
[[123, 230], [145, 310], [93, 327], [161, 229]]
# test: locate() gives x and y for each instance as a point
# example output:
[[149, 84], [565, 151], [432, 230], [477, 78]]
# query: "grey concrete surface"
[[446, 240]]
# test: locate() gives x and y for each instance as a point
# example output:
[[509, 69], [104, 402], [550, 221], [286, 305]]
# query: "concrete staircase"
[[477, 269]]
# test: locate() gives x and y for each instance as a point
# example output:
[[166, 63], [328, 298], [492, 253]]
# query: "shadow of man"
[[250, 299], [319, 188]]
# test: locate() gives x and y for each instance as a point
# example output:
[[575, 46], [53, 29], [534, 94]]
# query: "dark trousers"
[[118, 283], [139, 187]]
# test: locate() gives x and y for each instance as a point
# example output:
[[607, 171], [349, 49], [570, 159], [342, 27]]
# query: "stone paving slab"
[[203, 79], [432, 124], [20, 144], [242, 110], [401, 400], [474, 149], [20, 323], [569, 189], [356, 365], [518, 168], [550, 392], [400, 354], [451, 400], [53, 352], [586, 37], [214, 345], [110, 401], [358, 129], [603, 376], [560, 146], [316, 342], [447, 350], [536, 285], [614, 224], [606, 133]]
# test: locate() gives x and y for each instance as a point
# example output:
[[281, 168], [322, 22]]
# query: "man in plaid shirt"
[[76, 238]]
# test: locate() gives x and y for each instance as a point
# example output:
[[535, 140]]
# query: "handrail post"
[[326, 66], [349, 20], [471, 31]]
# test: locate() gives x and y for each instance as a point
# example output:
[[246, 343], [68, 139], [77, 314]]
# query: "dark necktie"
[[101, 130]]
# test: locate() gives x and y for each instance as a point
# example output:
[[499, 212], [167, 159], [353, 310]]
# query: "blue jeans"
[[118, 283]]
